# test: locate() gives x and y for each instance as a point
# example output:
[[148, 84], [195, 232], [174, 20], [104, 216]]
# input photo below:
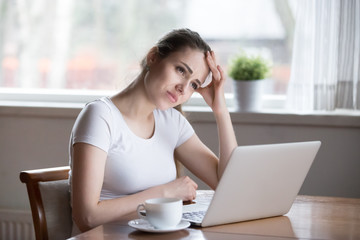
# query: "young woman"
[[122, 148]]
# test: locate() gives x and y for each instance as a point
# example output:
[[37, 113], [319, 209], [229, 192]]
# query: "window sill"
[[201, 114], [68, 103], [281, 117]]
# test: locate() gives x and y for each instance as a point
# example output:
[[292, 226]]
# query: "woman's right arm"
[[87, 180]]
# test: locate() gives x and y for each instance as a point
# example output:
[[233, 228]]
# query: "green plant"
[[247, 68]]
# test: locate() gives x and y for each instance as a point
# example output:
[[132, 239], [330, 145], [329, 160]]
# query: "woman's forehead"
[[195, 59]]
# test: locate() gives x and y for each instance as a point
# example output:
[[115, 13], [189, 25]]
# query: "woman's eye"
[[181, 70], [194, 86]]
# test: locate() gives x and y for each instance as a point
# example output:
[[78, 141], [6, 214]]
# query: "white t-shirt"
[[133, 164]]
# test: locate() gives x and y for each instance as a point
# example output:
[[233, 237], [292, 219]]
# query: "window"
[[97, 44]]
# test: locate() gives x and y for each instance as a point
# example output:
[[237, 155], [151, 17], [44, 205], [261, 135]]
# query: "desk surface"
[[309, 218]]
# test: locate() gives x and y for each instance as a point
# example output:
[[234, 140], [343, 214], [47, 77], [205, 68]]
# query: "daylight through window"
[[65, 44]]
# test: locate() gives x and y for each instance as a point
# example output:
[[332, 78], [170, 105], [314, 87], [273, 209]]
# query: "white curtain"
[[325, 71]]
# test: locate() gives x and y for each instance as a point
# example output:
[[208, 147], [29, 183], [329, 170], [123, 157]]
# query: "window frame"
[[64, 97]]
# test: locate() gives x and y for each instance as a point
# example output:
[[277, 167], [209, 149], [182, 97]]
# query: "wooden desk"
[[309, 218]]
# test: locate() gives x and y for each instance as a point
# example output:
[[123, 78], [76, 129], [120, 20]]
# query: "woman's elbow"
[[84, 220]]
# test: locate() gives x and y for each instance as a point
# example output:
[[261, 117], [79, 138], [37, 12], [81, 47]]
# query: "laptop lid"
[[260, 181]]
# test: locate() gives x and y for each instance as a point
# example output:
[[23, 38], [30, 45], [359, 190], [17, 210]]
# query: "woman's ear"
[[152, 56]]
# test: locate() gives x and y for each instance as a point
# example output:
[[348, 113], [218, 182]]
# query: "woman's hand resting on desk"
[[183, 188]]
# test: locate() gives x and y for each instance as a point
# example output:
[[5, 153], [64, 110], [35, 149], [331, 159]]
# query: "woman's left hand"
[[213, 93]]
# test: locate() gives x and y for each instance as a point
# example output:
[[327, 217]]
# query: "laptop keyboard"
[[194, 216], [195, 213]]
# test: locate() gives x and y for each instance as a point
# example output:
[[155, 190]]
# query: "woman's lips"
[[173, 98]]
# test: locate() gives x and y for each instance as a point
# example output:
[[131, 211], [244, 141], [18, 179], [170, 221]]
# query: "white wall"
[[33, 138], [28, 142]]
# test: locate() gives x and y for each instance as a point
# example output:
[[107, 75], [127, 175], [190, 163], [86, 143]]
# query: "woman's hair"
[[176, 40]]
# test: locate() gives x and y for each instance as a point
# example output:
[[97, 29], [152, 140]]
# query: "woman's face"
[[172, 80]]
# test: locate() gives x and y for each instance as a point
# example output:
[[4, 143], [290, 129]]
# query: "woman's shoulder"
[[99, 105], [97, 109]]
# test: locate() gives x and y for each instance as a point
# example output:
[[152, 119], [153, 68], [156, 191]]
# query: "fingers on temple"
[[213, 67], [213, 56], [221, 71]]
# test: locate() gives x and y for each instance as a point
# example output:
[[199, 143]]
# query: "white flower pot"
[[248, 95]]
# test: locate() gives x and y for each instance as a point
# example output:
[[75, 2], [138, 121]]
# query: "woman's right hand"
[[183, 188]]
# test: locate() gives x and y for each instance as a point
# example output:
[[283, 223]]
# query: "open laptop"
[[259, 181]]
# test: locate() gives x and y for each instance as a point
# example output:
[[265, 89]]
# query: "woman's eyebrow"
[[198, 81], [191, 72], [188, 68]]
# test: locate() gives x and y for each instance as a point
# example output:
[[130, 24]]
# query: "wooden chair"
[[49, 197]]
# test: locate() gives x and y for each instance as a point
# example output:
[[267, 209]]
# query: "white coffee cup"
[[162, 213]]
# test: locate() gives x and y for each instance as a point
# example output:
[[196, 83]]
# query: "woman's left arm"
[[203, 162]]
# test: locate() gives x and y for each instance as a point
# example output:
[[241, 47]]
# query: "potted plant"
[[248, 74]]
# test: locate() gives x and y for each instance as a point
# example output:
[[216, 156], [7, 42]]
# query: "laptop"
[[259, 181]]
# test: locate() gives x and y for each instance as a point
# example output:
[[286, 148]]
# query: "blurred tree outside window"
[[98, 44]]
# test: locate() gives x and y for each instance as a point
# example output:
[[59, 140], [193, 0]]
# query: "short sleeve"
[[184, 127], [93, 126]]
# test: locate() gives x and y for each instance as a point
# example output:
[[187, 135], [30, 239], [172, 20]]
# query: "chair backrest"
[[49, 197]]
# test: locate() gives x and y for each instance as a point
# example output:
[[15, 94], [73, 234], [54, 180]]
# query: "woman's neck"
[[133, 101]]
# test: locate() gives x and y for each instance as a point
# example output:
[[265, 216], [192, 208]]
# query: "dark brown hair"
[[176, 40]]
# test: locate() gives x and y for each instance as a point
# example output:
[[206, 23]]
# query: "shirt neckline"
[[128, 129]]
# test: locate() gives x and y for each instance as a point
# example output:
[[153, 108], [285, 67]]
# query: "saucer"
[[145, 226]]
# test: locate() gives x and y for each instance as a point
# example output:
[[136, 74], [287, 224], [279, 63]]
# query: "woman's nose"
[[180, 89]]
